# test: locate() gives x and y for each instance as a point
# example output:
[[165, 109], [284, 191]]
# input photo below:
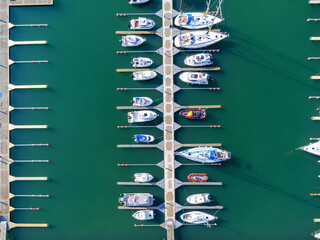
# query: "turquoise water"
[[265, 116]]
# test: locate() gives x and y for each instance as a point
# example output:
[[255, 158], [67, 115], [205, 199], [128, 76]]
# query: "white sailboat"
[[199, 20], [197, 217], [198, 39], [205, 154], [313, 148]]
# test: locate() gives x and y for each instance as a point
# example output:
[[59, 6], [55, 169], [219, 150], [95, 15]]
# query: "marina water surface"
[[265, 116]]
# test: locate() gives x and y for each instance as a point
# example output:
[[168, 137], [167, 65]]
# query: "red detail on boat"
[[198, 177]]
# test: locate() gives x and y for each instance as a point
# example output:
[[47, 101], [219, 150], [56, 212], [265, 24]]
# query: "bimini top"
[[190, 18]]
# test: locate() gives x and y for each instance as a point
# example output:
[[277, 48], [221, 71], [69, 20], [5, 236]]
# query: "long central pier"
[[168, 119]]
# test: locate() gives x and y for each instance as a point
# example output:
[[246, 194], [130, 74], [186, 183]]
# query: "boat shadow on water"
[[233, 168]]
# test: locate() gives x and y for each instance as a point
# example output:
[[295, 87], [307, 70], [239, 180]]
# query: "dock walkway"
[[168, 119], [4, 100]]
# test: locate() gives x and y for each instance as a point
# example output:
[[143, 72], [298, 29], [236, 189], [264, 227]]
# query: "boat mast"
[[208, 5]]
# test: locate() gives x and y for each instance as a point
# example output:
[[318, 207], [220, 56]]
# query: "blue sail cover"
[[189, 19], [140, 138], [212, 155]]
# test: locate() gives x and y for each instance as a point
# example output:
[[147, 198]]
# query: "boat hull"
[[136, 199], [143, 138], [141, 116], [132, 41], [142, 177], [205, 155], [144, 215], [138, 24], [141, 101], [141, 62], [197, 217], [194, 78], [143, 75], [199, 21], [199, 198], [136, 2], [313, 148], [198, 39], [197, 61], [193, 114], [198, 177]]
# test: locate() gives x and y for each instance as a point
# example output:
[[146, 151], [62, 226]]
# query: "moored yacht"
[[141, 62], [194, 113], [205, 154], [144, 215], [200, 78], [317, 236], [136, 199], [199, 198], [199, 60], [198, 39], [141, 24], [197, 217], [196, 20], [142, 177], [143, 138], [313, 148], [143, 75], [135, 2], [132, 41], [141, 101], [198, 177], [141, 116]]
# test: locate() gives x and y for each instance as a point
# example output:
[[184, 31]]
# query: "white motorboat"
[[144, 215], [199, 20], [132, 41], [141, 62], [135, 2], [317, 236], [141, 101], [200, 78], [313, 148], [199, 60], [198, 39], [143, 75], [197, 217], [205, 154], [136, 199], [199, 198], [143, 138], [141, 24], [141, 116], [142, 177]]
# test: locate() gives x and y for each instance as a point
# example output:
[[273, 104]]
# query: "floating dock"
[[5, 87]]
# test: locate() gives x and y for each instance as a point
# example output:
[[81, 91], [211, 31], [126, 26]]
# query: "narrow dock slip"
[[5, 88]]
